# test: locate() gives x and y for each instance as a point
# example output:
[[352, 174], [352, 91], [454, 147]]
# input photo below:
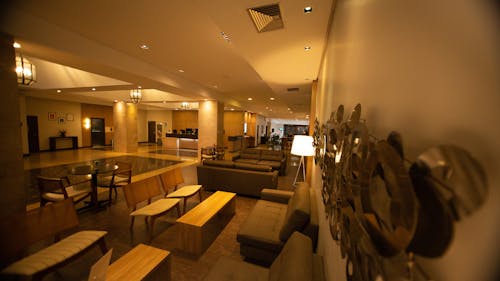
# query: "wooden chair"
[[172, 179], [118, 178], [145, 191], [58, 189]]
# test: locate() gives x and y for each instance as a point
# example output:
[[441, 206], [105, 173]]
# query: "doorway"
[[151, 131], [97, 136], [33, 139]]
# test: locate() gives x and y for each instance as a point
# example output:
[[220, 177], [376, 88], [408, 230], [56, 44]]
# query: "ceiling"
[[83, 44]]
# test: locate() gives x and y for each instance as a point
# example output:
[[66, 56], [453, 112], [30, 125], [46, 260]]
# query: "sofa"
[[296, 262], [274, 218], [273, 158], [241, 178]]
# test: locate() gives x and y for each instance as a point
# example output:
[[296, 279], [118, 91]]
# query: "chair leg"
[[151, 228], [185, 204], [178, 211], [109, 196], [102, 246], [132, 222], [199, 193]]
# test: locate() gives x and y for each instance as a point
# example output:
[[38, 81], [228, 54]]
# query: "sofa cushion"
[[298, 212], [295, 262], [262, 227], [227, 269], [274, 164], [219, 163], [249, 161], [252, 167], [271, 155], [250, 154]]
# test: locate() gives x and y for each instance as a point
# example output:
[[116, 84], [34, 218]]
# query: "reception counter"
[[180, 141]]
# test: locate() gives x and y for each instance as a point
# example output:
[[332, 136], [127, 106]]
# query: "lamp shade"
[[302, 145]]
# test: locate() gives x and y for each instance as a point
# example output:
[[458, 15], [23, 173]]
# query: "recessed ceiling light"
[[249, 99], [58, 91], [181, 70], [139, 87], [16, 45], [225, 36], [291, 112], [232, 109], [144, 47], [307, 48], [115, 100], [308, 9], [271, 98], [164, 101], [288, 109], [93, 89]]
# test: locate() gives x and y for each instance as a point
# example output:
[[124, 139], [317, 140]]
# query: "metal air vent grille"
[[266, 18]]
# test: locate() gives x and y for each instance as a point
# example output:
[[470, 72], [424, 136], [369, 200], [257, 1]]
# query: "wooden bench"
[[173, 179], [21, 231], [199, 227], [145, 191], [140, 262]]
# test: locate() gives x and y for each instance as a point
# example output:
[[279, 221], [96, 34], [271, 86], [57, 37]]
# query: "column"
[[210, 124], [125, 127], [14, 196]]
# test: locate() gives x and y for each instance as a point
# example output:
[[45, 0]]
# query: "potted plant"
[[62, 133]]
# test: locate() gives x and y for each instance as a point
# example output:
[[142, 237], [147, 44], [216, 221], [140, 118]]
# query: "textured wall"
[[428, 69]]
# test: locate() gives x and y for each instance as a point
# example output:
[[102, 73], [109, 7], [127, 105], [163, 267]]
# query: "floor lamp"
[[302, 146]]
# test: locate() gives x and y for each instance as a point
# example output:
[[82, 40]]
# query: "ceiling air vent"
[[266, 18], [292, 89]]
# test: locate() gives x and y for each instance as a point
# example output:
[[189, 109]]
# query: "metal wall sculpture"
[[383, 209]]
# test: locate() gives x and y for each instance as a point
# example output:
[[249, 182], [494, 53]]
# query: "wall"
[[24, 127], [428, 69], [50, 128], [97, 111], [13, 197], [184, 119]]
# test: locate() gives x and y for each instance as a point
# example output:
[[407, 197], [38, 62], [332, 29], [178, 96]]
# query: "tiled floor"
[[116, 221]]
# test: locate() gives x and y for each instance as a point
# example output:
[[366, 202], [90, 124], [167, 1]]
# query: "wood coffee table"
[[199, 227]]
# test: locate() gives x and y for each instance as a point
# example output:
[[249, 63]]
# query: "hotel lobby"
[[420, 76]]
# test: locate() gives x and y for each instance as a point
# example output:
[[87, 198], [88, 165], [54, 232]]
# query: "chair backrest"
[[124, 170], [140, 191], [48, 184], [25, 228], [171, 179]]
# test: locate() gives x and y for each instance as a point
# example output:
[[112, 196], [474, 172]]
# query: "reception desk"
[[180, 141]]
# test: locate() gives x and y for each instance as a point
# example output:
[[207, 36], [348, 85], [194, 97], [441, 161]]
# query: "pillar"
[[125, 127], [210, 124], [13, 198]]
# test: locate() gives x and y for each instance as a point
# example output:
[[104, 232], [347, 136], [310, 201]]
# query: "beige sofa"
[[242, 178], [275, 159], [296, 262], [274, 218]]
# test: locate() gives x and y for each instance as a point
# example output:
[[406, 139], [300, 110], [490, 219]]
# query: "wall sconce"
[[25, 70], [86, 123]]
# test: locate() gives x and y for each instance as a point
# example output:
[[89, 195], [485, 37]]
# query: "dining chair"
[[117, 178], [57, 189]]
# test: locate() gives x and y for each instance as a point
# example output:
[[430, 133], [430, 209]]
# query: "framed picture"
[[52, 116], [70, 117], [61, 120]]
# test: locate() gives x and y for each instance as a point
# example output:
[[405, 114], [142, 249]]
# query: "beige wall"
[[184, 119], [428, 69], [233, 123], [97, 111], [142, 125], [50, 128]]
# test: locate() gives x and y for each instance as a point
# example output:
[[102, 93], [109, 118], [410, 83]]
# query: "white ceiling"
[[102, 39]]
